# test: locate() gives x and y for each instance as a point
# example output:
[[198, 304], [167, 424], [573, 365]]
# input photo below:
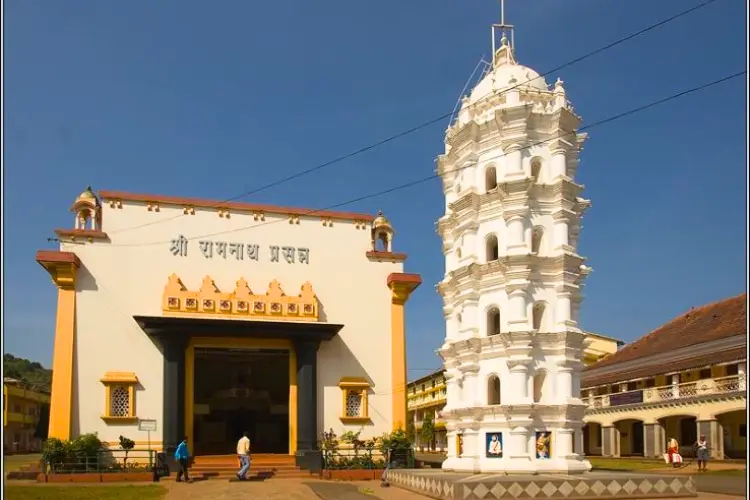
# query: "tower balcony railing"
[[704, 387]]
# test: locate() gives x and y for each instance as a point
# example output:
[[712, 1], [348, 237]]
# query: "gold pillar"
[[401, 285], [62, 267]]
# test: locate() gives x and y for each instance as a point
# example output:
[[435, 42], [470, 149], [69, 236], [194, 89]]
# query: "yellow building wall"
[[21, 413]]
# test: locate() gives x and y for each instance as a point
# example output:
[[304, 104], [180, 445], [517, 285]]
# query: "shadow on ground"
[[726, 485], [337, 491]]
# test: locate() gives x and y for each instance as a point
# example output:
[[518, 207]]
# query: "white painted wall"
[[518, 130], [126, 277]]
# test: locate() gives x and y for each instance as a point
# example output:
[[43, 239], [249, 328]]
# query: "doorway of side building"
[[237, 390], [733, 433], [631, 437], [684, 429]]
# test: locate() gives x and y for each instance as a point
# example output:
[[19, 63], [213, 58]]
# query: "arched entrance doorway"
[[631, 437], [684, 429], [592, 439], [733, 426]]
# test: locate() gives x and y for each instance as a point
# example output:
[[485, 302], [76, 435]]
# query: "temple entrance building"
[[215, 318]]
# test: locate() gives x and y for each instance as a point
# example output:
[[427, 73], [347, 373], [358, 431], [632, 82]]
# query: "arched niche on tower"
[[493, 390], [536, 169], [539, 315], [540, 385], [492, 319], [537, 238], [491, 248], [490, 177]]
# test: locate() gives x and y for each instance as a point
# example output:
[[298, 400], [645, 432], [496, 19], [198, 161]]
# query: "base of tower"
[[443, 485], [572, 465]]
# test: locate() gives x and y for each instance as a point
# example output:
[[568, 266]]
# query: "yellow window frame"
[[112, 380], [359, 385]]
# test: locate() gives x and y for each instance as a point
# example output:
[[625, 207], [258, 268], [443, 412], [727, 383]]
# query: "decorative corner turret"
[[381, 243], [88, 210], [88, 218], [382, 232]]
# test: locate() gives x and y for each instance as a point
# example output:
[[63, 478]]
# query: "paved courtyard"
[[288, 489], [306, 489]]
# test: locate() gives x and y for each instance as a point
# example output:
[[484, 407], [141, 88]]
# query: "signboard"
[[626, 398], [147, 425], [276, 253]]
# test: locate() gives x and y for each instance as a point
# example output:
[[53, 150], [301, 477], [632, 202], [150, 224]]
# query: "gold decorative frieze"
[[242, 302]]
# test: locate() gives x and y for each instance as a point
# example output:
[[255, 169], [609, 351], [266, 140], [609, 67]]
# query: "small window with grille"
[[354, 403], [119, 396]]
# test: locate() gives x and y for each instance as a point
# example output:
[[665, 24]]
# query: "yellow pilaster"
[[62, 267], [401, 285]]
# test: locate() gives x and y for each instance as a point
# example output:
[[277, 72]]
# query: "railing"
[[21, 418], [364, 459], [104, 461], [705, 387]]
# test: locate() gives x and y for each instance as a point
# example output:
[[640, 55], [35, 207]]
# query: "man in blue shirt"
[[181, 455]]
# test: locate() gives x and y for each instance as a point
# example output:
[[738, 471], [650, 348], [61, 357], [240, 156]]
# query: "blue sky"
[[212, 99]]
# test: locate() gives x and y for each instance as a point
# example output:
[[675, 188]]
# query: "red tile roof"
[[717, 320], [231, 205], [735, 354]]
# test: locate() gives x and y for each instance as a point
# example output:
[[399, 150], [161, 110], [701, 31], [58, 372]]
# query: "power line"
[[434, 176], [416, 128]]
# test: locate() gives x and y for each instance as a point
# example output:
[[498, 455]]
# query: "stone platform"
[[452, 485]]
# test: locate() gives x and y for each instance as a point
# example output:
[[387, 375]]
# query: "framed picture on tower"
[[494, 444], [543, 445]]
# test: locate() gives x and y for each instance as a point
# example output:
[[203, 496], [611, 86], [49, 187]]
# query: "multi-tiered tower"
[[512, 287]]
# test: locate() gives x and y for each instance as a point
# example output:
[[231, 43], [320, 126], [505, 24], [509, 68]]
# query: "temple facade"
[[208, 319]]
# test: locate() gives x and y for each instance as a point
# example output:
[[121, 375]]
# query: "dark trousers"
[[183, 469]]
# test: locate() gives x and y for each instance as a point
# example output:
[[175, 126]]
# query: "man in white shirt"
[[243, 452]]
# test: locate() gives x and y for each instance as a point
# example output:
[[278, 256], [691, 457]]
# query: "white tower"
[[513, 281]]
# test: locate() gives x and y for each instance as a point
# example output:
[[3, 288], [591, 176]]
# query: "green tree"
[[30, 372], [428, 430], [411, 433]]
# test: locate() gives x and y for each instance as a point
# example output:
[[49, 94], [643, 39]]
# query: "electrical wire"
[[434, 176], [425, 124]]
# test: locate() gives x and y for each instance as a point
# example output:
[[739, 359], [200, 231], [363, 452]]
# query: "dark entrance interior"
[[637, 446], [240, 390]]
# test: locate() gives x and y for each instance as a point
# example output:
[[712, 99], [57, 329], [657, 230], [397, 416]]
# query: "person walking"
[[243, 453], [182, 456], [701, 453], [384, 477]]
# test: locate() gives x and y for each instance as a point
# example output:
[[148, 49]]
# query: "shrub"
[[127, 445], [74, 455]]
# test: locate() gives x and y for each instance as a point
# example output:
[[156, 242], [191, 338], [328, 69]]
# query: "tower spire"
[[503, 28]]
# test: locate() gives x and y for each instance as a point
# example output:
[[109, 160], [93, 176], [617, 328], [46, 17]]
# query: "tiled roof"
[[714, 321], [691, 363]]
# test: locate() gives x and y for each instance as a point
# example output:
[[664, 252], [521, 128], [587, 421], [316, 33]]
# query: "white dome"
[[506, 73]]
